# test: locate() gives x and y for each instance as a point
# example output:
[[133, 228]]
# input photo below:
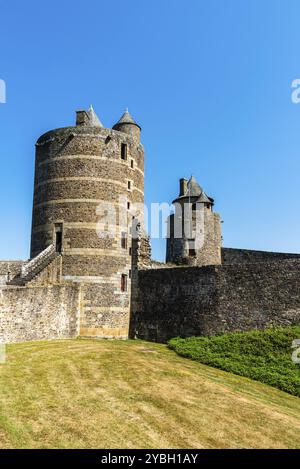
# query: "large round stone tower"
[[87, 181]]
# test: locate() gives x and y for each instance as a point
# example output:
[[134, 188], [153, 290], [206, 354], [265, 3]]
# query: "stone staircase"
[[35, 268]]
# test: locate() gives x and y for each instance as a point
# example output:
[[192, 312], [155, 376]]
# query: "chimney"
[[82, 118], [182, 186]]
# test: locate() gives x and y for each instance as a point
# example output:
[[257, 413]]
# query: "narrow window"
[[131, 163], [58, 237], [129, 185], [128, 205], [123, 151], [124, 240], [130, 251], [58, 243], [129, 274], [192, 252], [123, 283]]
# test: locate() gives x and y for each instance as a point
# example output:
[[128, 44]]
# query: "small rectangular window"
[[192, 252], [128, 205], [58, 229], [130, 251], [123, 151], [131, 163], [129, 185], [123, 283], [124, 240], [129, 274]]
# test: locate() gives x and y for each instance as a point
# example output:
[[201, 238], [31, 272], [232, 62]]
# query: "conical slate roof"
[[94, 120], [193, 188], [126, 118], [204, 198]]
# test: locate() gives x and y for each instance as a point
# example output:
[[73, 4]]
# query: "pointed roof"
[[126, 118], [195, 191], [204, 198], [193, 188], [93, 118]]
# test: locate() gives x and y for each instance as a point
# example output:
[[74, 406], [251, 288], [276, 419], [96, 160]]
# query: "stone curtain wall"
[[215, 299], [11, 267], [241, 256], [39, 313]]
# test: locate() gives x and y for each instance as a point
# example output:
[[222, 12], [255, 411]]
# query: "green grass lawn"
[[134, 394], [260, 355]]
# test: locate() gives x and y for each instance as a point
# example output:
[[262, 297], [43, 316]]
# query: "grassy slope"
[[88, 393], [261, 355]]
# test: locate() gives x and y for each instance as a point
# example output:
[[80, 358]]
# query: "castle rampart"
[[248, 256], [187, 301], [39, 313]]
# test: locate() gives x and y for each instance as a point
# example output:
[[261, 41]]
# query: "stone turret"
[[127, 124], [194, 230]]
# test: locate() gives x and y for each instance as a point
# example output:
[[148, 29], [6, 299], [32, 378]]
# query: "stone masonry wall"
[[39, 313], [51, 274], [8, 270], [208, 245], [247, 256], [209, 300]]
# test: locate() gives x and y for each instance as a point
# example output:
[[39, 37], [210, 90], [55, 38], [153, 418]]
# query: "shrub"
[[260, 355]]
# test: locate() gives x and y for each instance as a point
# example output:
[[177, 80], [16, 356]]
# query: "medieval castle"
[[79, 282]]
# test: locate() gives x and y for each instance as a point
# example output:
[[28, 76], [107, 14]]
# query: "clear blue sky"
[[208, 80]]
